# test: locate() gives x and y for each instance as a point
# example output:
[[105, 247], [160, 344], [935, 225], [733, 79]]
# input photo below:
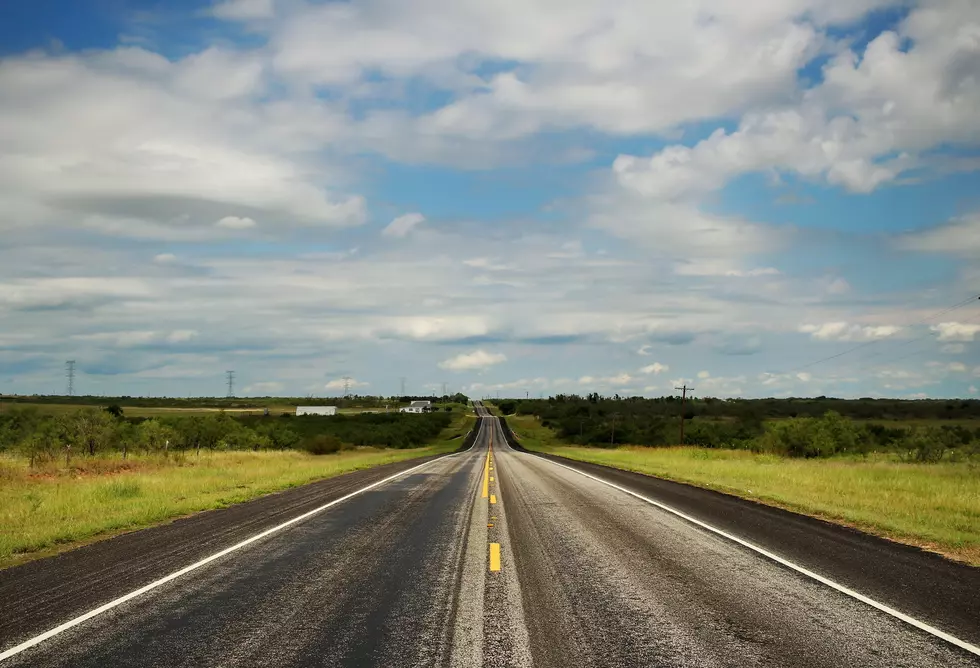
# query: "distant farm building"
[[316, 410], [417, 407]]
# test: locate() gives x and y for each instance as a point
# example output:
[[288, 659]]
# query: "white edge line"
[[962, 644], [27, 644]]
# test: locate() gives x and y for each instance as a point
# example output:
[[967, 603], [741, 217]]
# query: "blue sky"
[[514, 197]]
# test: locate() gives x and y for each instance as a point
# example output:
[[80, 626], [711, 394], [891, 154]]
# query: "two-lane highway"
[[488, 557]]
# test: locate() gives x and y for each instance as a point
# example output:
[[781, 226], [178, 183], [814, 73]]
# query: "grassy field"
[[161, 411], [42, 513], [935, 506]]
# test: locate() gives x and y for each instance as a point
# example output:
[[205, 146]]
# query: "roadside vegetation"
[[932, 504], [90, 473], [916, 431], [49, 507], [41, 437]]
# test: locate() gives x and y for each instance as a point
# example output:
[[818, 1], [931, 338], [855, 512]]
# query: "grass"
[[934, 506], [54, 509]]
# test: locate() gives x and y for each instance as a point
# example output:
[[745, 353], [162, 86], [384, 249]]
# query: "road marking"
[[493, 498], [922, 626], [491, 478], [27, 644], [486, 476], [494, 556]]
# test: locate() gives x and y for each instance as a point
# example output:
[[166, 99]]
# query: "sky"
[[523, 197]]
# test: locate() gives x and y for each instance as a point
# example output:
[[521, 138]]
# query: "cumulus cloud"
[[402, 225], [656, 368], [973, 389], [956, 331], [342, 383], [478, 359], [843, 331], [165, 258]]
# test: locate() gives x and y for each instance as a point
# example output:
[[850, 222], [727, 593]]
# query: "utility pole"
[[444, 390], [70, 373], [403, 379], [684, 390], [231, 383]]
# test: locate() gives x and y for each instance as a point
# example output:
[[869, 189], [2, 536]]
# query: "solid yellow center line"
[[494, 556], [486, 477]]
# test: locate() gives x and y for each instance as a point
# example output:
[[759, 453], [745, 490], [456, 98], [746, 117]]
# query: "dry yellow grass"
[[43, 512], [935, 506]]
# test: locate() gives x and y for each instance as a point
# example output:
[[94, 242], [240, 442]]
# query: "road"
[[487, 557]]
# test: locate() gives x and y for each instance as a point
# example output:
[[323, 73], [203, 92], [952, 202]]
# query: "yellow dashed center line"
[[494, 556], [493, 498]]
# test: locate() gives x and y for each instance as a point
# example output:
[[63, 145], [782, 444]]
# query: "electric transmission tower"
[[403, 379], [231, 383], [347, 387], [444, 390], [70, 373]]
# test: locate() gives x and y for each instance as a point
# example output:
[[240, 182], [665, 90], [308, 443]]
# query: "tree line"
[[90, 432], [817, 427]]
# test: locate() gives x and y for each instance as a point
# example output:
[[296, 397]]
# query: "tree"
[[154, 436], [89, 430]]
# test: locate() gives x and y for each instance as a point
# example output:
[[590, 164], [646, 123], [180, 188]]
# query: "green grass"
[[42, 513], [935, 506]]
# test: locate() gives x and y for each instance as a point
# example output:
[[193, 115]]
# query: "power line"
[[231, 383], [875, 341], [70, 373]]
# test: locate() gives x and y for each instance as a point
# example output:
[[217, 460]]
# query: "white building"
[[316, 410], [417, 407]]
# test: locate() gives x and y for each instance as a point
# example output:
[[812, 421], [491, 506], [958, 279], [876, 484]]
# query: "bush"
[[323, 444]]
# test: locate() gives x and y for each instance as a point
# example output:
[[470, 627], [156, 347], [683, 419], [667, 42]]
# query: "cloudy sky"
[[518, 196]]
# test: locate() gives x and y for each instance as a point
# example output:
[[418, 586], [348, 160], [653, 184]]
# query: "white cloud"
[[235, 223], [402, 225], [703, 375], [953, 348], [644, 351], [243, 10], [181, 335], [341, 383], [960, 236], [843, 331], [165, 258], [478, 359], [973, 389], [656, 368], [804, 376], [188, 140], [956, 331]]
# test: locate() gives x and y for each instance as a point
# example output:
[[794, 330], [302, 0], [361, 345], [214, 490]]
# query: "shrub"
[[322, 444]]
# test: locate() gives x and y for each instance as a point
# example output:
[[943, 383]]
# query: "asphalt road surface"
[[488, 557]]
